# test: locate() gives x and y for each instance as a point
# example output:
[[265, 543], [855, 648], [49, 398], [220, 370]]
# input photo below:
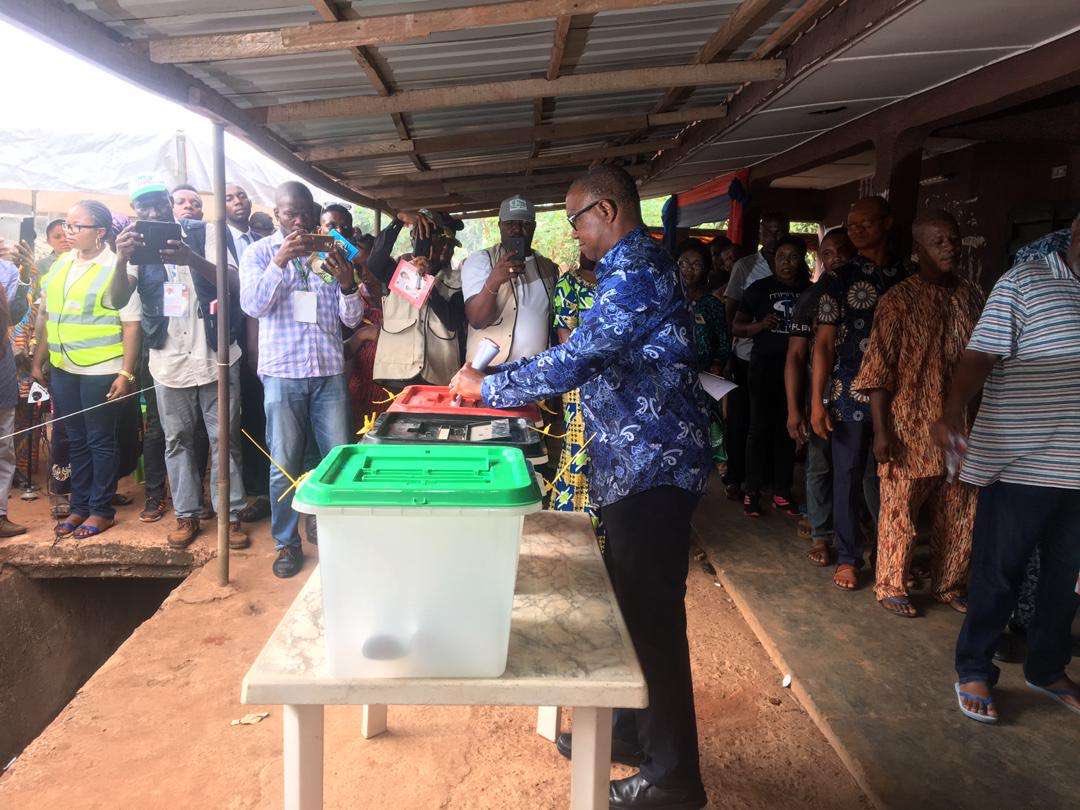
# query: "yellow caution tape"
[[390, 397], [369, 423]]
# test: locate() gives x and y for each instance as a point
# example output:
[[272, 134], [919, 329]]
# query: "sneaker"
[[290, 560], [258, 509], [153, 510], [311, 530], [786, 507], [9, 529], [184, 534], [237, 536], [751, 505]]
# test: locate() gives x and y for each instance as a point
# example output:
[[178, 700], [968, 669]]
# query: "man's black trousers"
[[647, 555]]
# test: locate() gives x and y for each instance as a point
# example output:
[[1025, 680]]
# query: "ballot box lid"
[[438, 399], [421, 475]]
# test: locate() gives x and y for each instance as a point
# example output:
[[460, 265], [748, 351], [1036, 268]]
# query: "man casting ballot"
[[632, 358]]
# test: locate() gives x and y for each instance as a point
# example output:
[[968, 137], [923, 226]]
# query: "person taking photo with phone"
[[176, 296], [301, 355], [419, 346], [91, 342], [509, 288]]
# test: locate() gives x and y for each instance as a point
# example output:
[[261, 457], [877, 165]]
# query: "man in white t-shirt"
[[508, 288], [178, 326], [745, 272]]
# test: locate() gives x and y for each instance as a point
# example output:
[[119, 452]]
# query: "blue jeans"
[[819, 487], [1011, 521], [292, 405], [91, 440]]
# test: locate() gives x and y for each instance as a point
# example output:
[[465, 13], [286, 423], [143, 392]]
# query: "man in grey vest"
[[508, 288]]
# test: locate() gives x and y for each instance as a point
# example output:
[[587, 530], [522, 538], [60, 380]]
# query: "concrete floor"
[[881, 687]]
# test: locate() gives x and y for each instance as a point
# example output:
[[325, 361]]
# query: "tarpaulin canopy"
[[716, 200], [104, 163]]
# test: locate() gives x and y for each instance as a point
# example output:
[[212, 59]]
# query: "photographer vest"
[[415, 342], [502, 329]]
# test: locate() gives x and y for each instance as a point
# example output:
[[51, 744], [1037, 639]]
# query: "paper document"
[[716, 387]]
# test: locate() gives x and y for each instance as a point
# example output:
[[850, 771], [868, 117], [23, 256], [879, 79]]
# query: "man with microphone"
[[632, 356]]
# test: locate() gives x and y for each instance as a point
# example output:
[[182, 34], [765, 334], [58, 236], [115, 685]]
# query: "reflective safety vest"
[[82, 330]]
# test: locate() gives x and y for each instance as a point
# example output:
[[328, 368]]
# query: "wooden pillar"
[[898, 170]]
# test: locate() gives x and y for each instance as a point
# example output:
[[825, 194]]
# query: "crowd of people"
[[865, 369]]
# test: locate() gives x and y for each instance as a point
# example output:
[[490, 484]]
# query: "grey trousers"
[[179, 409], [7, 457]]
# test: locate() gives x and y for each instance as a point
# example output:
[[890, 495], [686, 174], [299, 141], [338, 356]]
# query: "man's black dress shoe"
[[290, 560], [636, 791], [621, 752]]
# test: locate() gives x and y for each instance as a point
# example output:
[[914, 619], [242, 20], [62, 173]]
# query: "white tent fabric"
[[105, 163]]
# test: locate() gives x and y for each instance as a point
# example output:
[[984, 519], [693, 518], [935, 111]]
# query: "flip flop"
[[84, 532], [65, 528], [899, 601], [1056, 694], [985, 702]]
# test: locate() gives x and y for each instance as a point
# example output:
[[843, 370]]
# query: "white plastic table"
[[568, 647]]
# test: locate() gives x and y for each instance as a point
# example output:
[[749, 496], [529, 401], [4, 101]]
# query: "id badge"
[[176, 301], [304, 306]]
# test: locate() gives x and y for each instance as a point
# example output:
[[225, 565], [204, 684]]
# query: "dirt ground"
[[152, 727]]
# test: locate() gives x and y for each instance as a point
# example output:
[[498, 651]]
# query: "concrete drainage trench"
[[54, 634]]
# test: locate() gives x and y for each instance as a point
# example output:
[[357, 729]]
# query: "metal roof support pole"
[[222, 356]]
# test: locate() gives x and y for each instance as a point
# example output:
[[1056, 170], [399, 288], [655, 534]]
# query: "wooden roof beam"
[[737, 28], [374, 30], [573, 128], [524, 89], [803, 17], [582, 159], [562, 57], [367, 58]]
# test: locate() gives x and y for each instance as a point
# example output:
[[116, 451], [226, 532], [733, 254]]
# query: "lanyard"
[[302, 271]]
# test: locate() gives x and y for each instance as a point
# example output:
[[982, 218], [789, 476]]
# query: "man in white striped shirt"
[[1023, 451]]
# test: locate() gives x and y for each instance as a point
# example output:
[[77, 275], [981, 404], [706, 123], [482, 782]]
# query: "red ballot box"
[[437, 399]]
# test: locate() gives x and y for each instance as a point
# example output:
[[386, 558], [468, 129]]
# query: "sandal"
[[819, 553], [985, 702], [899, 606], [843, 581], [84, 532], [1057, 694], [66, 528], [957, 603]]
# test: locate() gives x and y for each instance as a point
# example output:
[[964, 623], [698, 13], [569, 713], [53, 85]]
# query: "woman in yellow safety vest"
[[92, 348]]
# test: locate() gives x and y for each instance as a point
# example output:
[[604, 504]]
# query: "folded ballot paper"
[[716, 387]]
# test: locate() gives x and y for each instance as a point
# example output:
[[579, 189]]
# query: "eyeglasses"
[[75, 227], [573, 218]]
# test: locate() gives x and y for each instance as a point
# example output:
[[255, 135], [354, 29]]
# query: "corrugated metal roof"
[[614, 40]]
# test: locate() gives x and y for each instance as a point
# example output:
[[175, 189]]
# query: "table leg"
[[373, 720], [590, 764], [303, 755], [548, 720]]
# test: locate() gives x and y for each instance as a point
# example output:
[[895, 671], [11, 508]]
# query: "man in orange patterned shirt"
[[920, 329]]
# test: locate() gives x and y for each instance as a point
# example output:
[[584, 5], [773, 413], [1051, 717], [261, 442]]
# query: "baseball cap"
[[517, 209], [146, 184]]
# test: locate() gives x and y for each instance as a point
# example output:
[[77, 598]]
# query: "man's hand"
[[24, 258], [508, 266], [421, 263], [340, 267], [796, 428], [177, 253], [467, 383], [121, 386], [820, 420], [421, 226], [885, 444], [126, 242], [296, 244], [945, 430], [767, 324]]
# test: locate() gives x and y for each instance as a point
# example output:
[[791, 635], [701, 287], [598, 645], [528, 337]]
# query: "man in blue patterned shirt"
[[632, 356]]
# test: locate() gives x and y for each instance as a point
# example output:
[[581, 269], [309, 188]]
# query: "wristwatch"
[[351, 291]]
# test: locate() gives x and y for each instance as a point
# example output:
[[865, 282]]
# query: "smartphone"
[[515, 245], [156, 236], [26, 231], [321, 243], [422, 247], [348, 248]]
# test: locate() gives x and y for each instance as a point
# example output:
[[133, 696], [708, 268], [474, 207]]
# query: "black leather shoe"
[[621, 752], [636, 791], [290, 560]]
